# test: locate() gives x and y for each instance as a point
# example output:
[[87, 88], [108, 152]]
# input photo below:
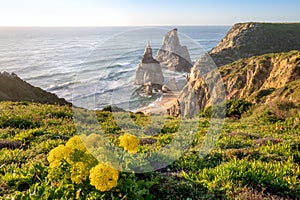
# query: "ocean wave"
[[75, 63], [61, 86], [44, 76], [102, 87], [121, 73], [104, 63]]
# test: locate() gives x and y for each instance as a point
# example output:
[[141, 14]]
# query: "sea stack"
[[173, 55], [149, 72]]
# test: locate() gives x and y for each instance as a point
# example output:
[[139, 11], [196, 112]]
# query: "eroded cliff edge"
[[258, 62], [257, 79]]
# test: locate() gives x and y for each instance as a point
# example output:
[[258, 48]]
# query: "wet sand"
[[160, 106]]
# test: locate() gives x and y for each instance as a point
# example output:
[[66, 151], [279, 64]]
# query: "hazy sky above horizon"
[[139, 12]]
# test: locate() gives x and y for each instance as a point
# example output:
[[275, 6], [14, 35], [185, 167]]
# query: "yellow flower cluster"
[[129, 142], [82, 165], [75, 154], [58, 155], [103, 177], [76, 143]]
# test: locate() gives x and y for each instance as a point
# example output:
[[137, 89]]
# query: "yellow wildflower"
[[76, 143], [55, 163], [58, 154], [129, 142], [103, 177]]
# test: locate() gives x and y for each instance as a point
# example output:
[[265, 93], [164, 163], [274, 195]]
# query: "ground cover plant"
[[257, 155]]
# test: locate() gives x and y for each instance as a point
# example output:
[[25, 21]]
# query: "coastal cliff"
[[12, 88], [258, 62], [257, 79], [251, 39]]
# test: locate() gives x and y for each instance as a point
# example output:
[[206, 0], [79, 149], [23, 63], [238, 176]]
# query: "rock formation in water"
[[173, 55], [252, 39], [12, 88], [257, 79], [149, 72]]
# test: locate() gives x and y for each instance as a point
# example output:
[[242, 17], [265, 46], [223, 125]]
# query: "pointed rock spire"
[[147, 56], [172, 54], [148, 45], [149, 71]]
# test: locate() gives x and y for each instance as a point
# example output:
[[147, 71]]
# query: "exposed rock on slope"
[[12, 88], [149, 72], [172, 54], [10, 144], [257, 79], [251, 39]]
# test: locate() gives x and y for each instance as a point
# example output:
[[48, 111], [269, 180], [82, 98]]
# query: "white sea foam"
[[62, 60]]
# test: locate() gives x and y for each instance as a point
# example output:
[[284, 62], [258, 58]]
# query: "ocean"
[[93, 67]]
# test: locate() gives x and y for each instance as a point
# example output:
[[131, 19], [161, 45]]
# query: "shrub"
[[272, 112], [107, 122], [263, 93], [234, 108], [113, 109], [237, 107], [171, 125], [61, 114], [17, 122]]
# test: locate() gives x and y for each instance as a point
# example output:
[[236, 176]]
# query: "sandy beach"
[[160, 106]]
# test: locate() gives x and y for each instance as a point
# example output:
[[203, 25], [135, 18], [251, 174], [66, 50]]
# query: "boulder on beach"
[[172, 54], [149, 72]]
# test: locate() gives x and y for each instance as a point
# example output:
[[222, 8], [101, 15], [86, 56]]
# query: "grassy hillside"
[[245, 40], [256, 157]]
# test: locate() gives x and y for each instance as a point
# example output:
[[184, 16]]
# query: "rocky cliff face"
[[251, 39], [149, 72], [12, 88], [173, 55], [257, 79]]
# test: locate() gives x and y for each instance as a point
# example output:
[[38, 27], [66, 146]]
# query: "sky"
[[145, 13]]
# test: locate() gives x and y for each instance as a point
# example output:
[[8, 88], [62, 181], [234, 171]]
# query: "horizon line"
[[138, 25], [87, 26]]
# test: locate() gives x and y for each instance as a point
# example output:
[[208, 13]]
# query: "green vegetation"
[[280, 30], [245, 64], [234, 108], [257, 155]]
